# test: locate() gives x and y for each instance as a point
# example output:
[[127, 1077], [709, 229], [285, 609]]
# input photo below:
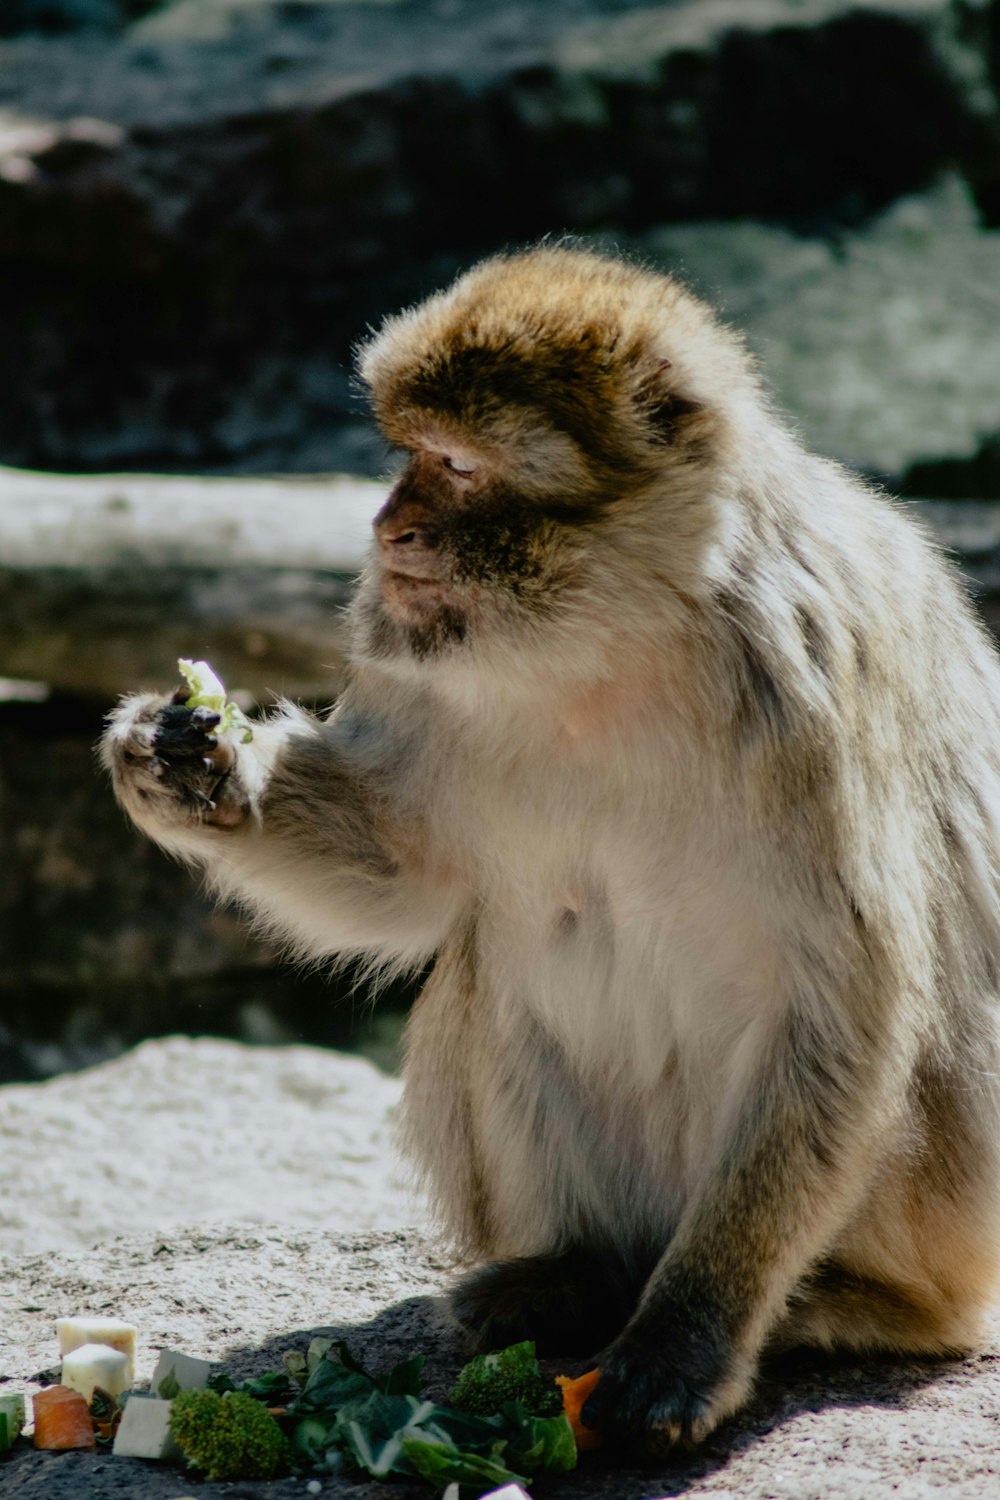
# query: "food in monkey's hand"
[[207, 691]]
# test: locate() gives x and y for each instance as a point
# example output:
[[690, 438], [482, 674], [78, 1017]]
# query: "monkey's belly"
[[597, 1095]]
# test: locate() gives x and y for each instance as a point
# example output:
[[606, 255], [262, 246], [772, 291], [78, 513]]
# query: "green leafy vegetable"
[[442, 1465], [296, 1365], [274, 1388], [207, 691], [511, 1374], [383, 1425]]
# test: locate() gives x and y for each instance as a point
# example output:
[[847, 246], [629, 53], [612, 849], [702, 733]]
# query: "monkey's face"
[[459, 552], [554, 442]]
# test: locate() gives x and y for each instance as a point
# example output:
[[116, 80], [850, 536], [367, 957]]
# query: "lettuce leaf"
[[205, 690], [382, 1425], [442, 1464]]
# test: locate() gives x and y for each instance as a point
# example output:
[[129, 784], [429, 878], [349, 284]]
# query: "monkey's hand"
[[170, 772], [669, 1378]]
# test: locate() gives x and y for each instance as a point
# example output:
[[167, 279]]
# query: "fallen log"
[[106, 579]]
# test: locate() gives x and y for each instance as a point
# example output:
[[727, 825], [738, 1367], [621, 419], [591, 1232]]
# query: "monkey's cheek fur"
[[663, 1392], [414, 601]]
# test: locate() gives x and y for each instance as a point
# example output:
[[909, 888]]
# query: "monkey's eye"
[[458, 465]]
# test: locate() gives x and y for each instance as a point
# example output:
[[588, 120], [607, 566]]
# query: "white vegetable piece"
[[95, 1365], [508, 1492], [74, 1332], [144, 1430], [207, 691], [205, 686], [11, 1420], [190, 1374]]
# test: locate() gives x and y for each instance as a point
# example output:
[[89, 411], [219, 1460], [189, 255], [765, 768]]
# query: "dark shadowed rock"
[[199, 218]]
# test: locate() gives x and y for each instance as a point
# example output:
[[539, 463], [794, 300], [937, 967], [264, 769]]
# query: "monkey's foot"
[[169, 767], [667, 1381], [568, 1304]]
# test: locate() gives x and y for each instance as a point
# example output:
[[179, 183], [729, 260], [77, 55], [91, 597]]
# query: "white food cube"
[[75, 1332], [144, 1430], [191, 1374], [95, 1365]]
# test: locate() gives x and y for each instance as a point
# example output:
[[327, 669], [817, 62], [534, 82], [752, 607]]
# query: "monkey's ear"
[[663, 408]]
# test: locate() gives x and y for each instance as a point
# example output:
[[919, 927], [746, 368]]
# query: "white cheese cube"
[[144, 1430], [191, 1374], [74, 1332], [96, 1365]]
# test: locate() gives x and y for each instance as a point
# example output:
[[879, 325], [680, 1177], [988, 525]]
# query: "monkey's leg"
[[835, 1308], [798, 1147], [570, 1303]]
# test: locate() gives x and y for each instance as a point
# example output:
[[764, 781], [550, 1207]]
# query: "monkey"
[[674, 750]]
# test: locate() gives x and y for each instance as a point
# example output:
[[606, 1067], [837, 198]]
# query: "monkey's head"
[[562, 414]]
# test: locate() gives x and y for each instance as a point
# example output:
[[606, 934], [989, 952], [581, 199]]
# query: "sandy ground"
[[219, 1198], [181, 1132]]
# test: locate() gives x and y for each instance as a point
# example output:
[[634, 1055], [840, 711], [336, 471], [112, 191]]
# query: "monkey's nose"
[[407, 546]]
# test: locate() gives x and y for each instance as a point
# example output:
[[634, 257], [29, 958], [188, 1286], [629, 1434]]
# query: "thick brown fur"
[[677, 747]]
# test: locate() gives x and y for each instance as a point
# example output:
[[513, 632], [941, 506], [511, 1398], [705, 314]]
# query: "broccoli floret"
[[229, 1437], [510, 1374]]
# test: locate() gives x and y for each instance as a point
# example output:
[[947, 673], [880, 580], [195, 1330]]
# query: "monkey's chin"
[[414, 601]]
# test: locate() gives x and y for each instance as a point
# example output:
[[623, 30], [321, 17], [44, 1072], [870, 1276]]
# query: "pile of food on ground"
[[504, 1421]]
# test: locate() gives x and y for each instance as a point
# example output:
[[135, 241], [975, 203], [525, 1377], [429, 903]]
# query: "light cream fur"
[[702, 829]]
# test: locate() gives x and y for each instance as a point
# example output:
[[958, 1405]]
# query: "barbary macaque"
[[678, 750]]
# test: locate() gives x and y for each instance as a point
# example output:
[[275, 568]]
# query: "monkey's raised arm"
[[297, 825]]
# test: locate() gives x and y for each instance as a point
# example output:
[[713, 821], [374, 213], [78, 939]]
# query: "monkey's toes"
[[659, 1394]]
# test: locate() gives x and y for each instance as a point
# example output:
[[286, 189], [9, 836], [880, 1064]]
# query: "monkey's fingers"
[[185, 734]]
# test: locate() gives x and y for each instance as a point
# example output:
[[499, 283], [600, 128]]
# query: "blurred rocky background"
[[205, 204]]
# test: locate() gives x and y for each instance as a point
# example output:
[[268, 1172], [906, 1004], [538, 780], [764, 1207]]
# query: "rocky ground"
[[222, 1198]]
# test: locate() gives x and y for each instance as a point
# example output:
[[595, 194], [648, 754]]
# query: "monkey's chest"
[[627, 952]]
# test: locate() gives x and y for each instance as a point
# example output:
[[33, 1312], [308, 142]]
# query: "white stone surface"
[[181, 1132]]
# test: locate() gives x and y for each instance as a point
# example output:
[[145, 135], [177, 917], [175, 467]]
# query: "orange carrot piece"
[[62, 1419], [574, 1394]]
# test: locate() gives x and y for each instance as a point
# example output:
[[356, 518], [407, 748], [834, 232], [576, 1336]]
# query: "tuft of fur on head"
[[578, 364]]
